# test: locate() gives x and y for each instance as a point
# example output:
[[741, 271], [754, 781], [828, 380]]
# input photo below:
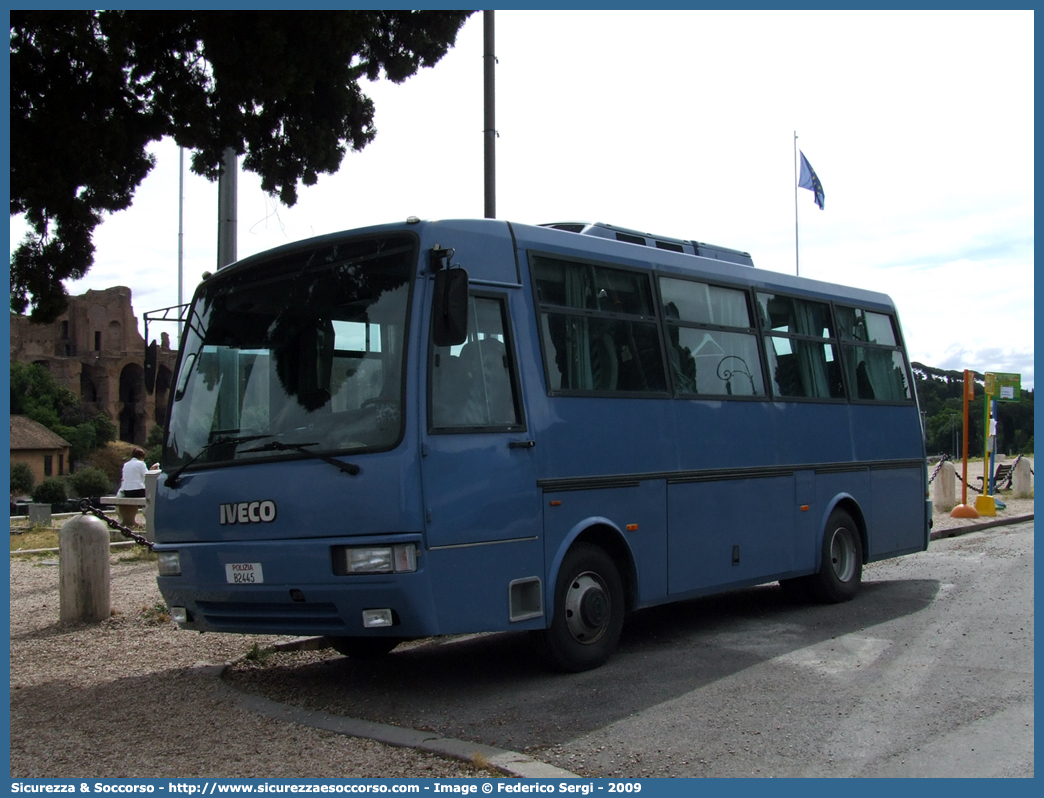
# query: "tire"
[[588, 611], [841, 569], [364, 647]]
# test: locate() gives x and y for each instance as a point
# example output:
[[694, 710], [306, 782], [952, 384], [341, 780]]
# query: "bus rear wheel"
[[364, 647], [841, 569], [588, 611]]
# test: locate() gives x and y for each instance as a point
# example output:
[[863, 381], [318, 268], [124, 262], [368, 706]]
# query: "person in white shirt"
[[134, 470]]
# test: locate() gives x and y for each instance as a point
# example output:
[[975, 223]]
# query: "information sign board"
[[1003, 387]]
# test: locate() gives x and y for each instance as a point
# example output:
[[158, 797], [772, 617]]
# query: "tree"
[[51, 491], [940, 394], [90, 90], [154, 444], [36, 394], [90, 481], [22, 479]]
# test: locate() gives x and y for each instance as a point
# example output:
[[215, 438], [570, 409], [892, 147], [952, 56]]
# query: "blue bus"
[[443, 427]]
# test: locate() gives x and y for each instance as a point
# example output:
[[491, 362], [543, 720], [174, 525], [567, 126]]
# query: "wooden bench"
[[127, 506], [1003, 474]]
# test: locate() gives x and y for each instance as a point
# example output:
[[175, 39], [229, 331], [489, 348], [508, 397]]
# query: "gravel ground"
[[123, 699], [127, 698]]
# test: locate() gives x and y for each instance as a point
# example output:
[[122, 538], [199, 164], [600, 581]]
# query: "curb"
[[510, 763], [964, 529], [112, 544]]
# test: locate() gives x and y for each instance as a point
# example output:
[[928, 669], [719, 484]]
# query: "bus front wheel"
[[364, 647], [841, 569], [588, 610]]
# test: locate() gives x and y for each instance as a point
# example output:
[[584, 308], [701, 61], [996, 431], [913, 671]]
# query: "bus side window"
[[598, 327], [713, 350], [873, 359], [799, 341], [472, 384]]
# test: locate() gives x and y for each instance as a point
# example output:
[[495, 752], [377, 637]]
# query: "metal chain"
[[86, 509], [977, 490], [945, 457]]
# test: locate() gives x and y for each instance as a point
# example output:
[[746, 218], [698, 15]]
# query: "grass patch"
[[258, 655], [33, 537], [26, 538], [135, 553], [156, 615]]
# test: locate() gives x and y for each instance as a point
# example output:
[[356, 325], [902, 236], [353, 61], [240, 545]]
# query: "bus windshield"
[[306, 350]]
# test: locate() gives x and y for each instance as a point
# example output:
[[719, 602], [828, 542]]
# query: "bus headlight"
[[396, 559], [169, 563]]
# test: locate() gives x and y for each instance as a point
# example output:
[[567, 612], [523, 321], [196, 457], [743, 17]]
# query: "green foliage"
[[22, 479], [90, 482], [281, 87], [36, 394], [154, 444], [51, 491], [155, 436], [104, 429]]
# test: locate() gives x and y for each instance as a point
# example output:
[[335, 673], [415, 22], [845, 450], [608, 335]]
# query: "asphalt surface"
[[928, 672]]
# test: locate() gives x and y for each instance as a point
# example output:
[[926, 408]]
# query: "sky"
[[682, 124]]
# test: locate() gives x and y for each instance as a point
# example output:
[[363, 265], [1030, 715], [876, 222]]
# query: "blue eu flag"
[[810, 180]]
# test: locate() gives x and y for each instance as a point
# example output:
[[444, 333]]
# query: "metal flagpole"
[[797, 257], [489, 61], [228, 207]]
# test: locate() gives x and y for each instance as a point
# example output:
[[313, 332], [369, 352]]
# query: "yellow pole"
[[987, 393], [985, 504]]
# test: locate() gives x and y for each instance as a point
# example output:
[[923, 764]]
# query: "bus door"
[[481, 502]]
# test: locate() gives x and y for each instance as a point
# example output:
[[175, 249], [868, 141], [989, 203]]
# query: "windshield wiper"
[[279, 446], [173, 479]]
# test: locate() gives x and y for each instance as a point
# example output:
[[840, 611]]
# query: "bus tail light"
[[396, 559]]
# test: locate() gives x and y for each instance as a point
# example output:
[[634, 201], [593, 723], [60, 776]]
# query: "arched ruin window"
[[114, 338]]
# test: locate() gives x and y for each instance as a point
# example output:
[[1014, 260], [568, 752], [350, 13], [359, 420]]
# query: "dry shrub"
[[110, 459]]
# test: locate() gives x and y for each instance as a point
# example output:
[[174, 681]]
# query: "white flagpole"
[[797, 262], [181, 232]]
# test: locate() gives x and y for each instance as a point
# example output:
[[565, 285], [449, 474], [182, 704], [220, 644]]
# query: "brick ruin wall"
[[95, 350]]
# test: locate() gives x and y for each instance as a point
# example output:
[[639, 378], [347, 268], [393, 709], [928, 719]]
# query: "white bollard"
[[83, 570], [944, 488], [151, 480], [1022, 481]]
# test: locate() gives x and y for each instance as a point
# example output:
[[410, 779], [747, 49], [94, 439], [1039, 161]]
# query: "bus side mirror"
[[151, 357], [450, 307]]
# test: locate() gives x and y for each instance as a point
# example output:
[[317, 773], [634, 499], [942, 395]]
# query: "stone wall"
[[95, 350]]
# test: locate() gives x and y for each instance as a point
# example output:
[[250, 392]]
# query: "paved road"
[[929, 672]]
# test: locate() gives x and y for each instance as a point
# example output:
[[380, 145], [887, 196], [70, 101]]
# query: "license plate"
[[244, 573]]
